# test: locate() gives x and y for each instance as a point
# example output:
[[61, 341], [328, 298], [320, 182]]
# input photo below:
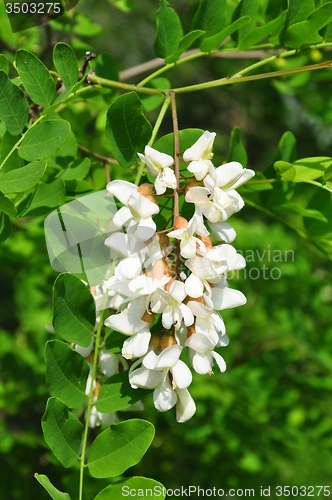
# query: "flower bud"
[[159, 269], [150, 197], [198, 299], [167, 340], [168, 285], [145, 189], [180, 223], [148, 318], [190, 185], [207, 242], [163, 240], [96, 389], [155, 342], [190, 330]]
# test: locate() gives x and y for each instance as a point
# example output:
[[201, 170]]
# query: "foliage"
[[65, 130]]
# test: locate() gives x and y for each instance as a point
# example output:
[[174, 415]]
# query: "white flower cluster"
[[147, 280]]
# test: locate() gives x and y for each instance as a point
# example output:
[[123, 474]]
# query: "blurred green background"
[[267, 420]]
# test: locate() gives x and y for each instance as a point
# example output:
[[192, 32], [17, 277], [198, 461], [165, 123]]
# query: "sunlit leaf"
[[74, 310], [22, 179], [54, 493], [304, 31], [120, 447], [147, 488], [169, 31], [66, 373], [65, 62], [14, 107], [215, 40], [127, 129], [44, 139], [35, 77], [116, 394], [62, 432]]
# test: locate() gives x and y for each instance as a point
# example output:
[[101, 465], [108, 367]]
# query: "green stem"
[[19, 141], [93, 376], [154, 135], [124, 86], [264, 181], [171, 65], [177, 175], [240, 79]]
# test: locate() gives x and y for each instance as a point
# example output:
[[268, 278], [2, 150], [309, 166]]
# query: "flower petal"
[[182, 376], [126, 323], [223, 231], [147, 379], [122, 190], [142, 205], [201, 149], [185, 406], [220, 361], [225, 298]]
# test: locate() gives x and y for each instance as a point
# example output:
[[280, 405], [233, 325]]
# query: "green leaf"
[[286, 170], [8, 141], [140, 485], [62, 432], [35, 77], [321, 201], [187, 137], [302, 32], [120, 447], [116, 394], [211, 17], [237, 151], [14, 107], [54, 493], [85, 27], [293, 208], [74, 310], [328, 173], [65, 62], [308, 169], [22, 179], [46, 196], [211, 42], [151, 102], [245, 8], [299, 10], [44, 139], [7, 206], [169, 31], [184, 45], [76, 169], [113, 341], [66, 373], [287, 147], [127, 129], [5, 227], [4, 64], [257, 34], [106, 67]]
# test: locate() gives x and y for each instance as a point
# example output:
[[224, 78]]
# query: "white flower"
[[129, 247], [201, 354], [137, 212], [188, 241], [200, 155], [154, 374], [129, 323], [223, 231], [108, 363], [158, 165], [203, 272], [224, 297], [225, 258], [175, 311]]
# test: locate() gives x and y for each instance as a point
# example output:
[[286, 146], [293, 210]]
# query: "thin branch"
[[96, 156]]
